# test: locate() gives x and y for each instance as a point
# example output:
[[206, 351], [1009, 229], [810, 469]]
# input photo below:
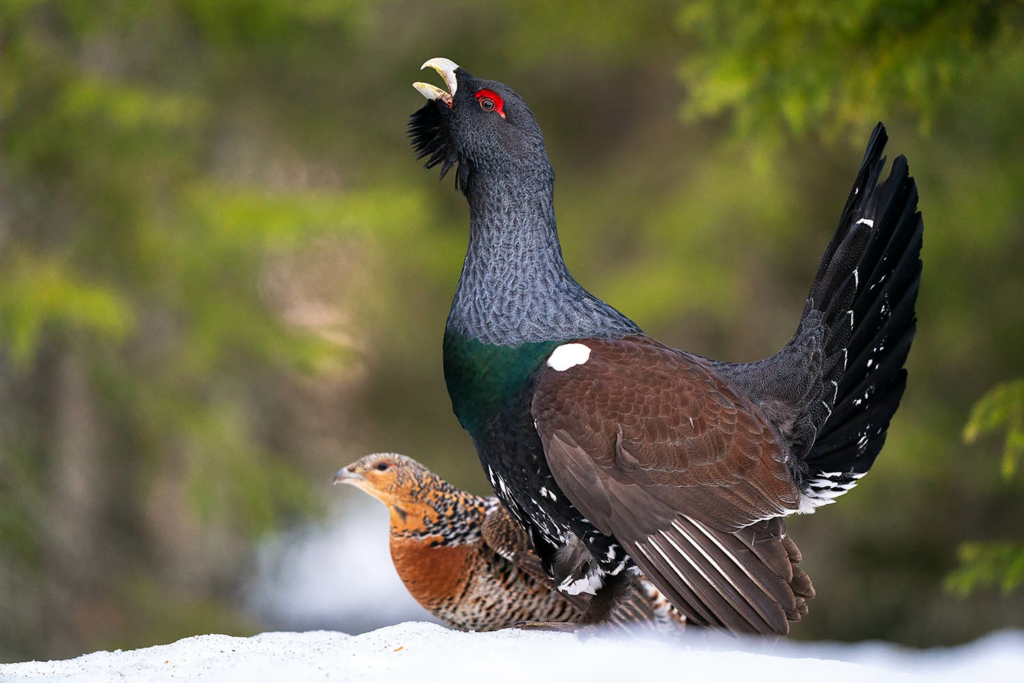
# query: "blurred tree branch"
[[985, 564], [1001, 406], [144, 434], [804, 65]]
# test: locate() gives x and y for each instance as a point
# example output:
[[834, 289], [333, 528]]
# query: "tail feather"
[[883, 228], [833, 390], [867, 178]]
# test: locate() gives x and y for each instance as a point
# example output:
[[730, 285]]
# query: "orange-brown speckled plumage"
[[464, 559]]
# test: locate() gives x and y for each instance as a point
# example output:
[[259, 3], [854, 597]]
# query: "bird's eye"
[[383, 466], [491, 101]]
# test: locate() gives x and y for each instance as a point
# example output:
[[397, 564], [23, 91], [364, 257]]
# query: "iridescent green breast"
[[484, 379]]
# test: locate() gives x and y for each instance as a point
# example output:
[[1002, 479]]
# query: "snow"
[[338, 574], [423, 653]]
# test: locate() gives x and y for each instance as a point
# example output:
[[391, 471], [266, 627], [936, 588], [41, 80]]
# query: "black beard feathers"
[[432, 140]]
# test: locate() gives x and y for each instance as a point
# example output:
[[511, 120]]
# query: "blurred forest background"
[[223, 275]]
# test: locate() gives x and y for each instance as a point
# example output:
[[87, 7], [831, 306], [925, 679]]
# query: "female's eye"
[[487, 104], [382, 466]]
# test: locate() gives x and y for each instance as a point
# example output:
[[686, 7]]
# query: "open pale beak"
[[446, 68], [347, 476]]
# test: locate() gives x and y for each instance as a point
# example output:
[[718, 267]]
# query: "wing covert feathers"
[[656, 450]]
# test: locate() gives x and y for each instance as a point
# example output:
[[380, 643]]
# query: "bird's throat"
[[513, 265], [516, 300]]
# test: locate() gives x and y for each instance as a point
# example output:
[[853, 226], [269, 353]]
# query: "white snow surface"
[[419, 652]]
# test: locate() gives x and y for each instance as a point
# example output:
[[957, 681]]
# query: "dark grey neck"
[[515, 287]]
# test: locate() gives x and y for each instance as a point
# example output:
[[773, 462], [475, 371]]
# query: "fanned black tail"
[[863, 298], [833, 389]]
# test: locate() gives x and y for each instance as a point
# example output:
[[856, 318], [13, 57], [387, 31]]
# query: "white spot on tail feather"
[[567, 356], [824, 488], [866, 221]]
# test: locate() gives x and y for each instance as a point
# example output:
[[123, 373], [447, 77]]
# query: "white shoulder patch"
[[568, 355]]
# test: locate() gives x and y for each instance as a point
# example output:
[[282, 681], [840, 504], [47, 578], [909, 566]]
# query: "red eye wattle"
[[490, 101]]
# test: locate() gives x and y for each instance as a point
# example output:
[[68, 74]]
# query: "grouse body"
[[466, 561], [619, 454]]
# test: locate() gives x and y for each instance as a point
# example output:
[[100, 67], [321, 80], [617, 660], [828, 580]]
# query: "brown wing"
[[655, 449]]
